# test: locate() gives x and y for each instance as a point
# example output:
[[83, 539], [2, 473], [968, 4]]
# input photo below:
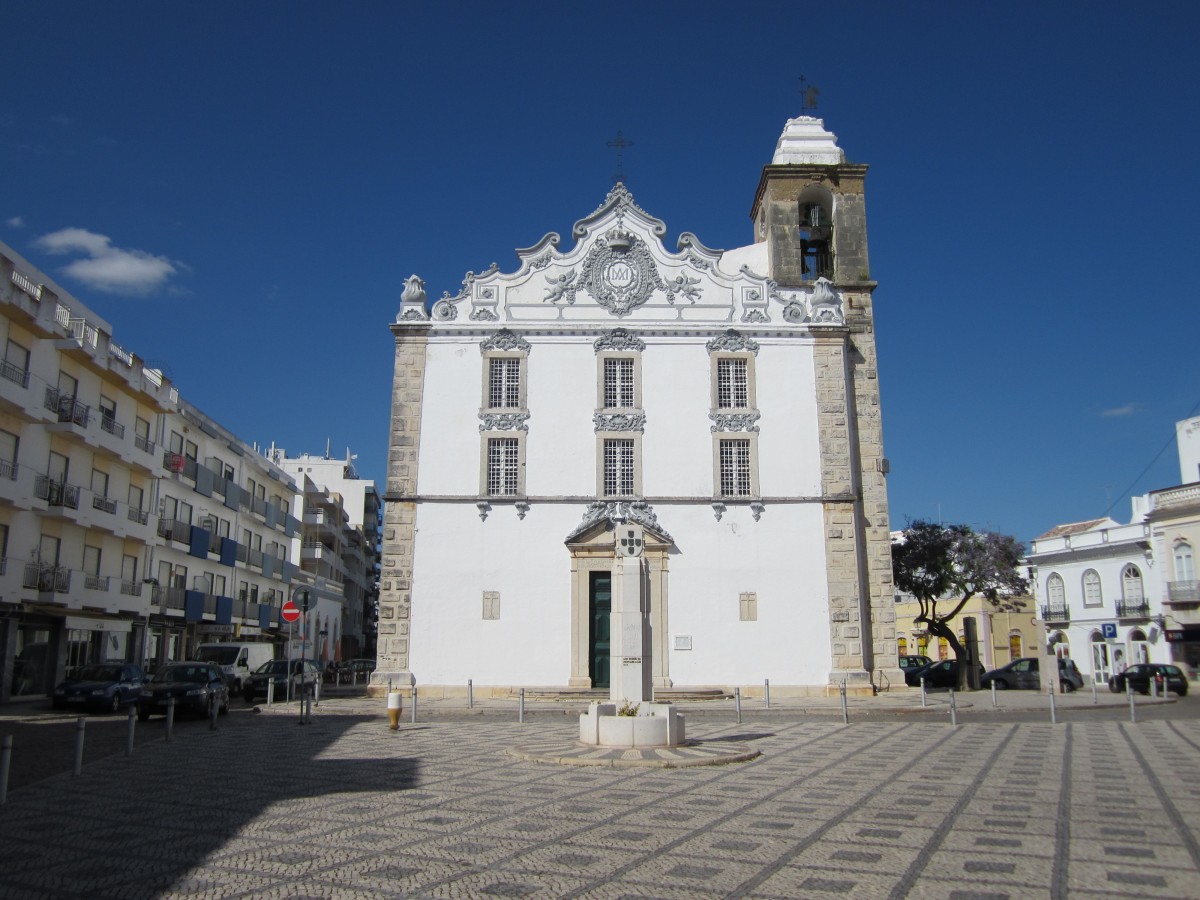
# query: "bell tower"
[[810, 210]]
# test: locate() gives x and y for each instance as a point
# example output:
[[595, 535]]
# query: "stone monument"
[[630, 718]]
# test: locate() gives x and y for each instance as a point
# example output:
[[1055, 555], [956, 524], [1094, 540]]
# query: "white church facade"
[[725, 401]]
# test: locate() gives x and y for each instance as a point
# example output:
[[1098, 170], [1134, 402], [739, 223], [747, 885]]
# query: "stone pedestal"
[[655, 725]]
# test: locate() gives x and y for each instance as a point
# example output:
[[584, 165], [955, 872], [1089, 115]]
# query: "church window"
[[1184, 566], [1131, 586], [748, 607], [816, 241], [733, 391], [619, 383], [1091, 588], [1056, 594], [735, 468], [504, 382], [620, 468], [503, 466]]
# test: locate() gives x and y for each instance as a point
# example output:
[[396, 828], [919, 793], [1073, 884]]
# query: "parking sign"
[[1109, 630]]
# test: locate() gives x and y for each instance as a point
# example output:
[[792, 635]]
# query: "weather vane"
[[620, 143], [808, 95]]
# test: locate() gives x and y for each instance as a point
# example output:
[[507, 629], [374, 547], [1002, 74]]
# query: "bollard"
[[317, 693], [521, 706], [1094, 698], [767, 692], [80, 724], [270, 692], [953, 710], [845, 709], [412, 717], [170, 716], [1153, 688], [213, 707], [470, 695], [922, 692], [308, 705], [1053, 707], [737, 703], [389, 685], [5, 760], [130, 731], [993, 694], [395, 702], [1132, 703]]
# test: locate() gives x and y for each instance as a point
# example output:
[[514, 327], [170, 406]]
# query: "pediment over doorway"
[[601, 517]]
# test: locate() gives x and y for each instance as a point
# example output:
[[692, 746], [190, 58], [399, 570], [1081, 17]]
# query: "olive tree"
[[944, 566]]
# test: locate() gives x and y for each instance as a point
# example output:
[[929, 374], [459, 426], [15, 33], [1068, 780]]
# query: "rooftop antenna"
[[808, 96], [327, 442], [620, 143]]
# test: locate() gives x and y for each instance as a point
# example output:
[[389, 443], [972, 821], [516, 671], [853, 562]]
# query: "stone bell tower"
[[810, 209]]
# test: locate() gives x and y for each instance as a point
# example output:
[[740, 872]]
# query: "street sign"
[[289, 612], [302, 597], [1109, 630]]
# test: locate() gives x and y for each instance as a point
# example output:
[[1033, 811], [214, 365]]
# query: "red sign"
[[289, 612]]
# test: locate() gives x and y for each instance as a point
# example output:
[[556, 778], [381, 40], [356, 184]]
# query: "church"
[[725, 401]]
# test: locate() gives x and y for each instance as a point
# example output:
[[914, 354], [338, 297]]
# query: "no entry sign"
[[289, 612]]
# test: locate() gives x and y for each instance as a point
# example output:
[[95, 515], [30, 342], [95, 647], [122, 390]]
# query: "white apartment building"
[[132, 526], [1112, 595], [341, 540]]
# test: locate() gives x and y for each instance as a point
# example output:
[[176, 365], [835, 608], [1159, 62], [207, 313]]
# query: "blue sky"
[[240, 189]]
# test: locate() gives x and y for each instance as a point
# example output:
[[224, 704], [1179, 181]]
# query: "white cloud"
[[105, 267], [15, 222], [1127, 410]]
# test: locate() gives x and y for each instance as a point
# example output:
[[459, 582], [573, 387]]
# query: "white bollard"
[[270, 692], [1053, 708], [953, 710], [130, 732], [395, 703], [1094, 698], [521, 706], [737, 703], [767, 692], [845, 709], [470, 695], [993, 693], [413, 712], [1132, 703], [922, 691]]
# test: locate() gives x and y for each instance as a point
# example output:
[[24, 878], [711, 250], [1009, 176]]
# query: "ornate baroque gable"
[[619, 273]]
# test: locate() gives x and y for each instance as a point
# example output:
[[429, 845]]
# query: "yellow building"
[[1003, 636]]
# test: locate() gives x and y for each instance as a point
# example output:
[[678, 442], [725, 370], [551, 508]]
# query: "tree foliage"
[[944, 566]]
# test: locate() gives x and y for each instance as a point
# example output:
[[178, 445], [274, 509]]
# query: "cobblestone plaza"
[[904, 807]]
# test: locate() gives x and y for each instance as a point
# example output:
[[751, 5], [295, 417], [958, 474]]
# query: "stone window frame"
[[602, 359], [485, 439], [522, 359], [714, 381], [751, 439], [1087, 584], [748, 606], [633, 437]]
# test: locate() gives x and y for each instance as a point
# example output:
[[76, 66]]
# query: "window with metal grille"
[[618, 384], [504, 383], [735, 468], [504, 466], [618, 468], [733, 391]]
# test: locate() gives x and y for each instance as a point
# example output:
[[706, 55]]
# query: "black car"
[[943, 673], [196, 686], [1026, 673], [304, 672], [913, 661], [1138, 677], [106, 686]]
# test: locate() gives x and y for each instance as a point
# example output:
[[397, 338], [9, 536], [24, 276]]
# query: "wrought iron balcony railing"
[[1056, 613], [1133, 609]]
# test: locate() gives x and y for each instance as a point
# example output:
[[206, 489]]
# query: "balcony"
[[1133, 609], [56, 493], [1183, 591], [47, 579], [1056, 613], [137, 516], [67, 408], [15, 374], [175, 530], [95, 582], [104, 504], [131, 588], [110, 425], [143, 443]]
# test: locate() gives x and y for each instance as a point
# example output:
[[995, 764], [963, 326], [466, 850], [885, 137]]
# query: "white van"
[[237, 660]]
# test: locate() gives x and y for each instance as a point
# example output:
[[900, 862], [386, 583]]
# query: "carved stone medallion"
[[620, 273]]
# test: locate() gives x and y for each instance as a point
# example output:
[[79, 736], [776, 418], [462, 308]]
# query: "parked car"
[[303, 672], [196, 686], [1138, 677], [237, 660], [943, 673], [913, 662], [107, 686], [1025, 673], [350, 671]]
